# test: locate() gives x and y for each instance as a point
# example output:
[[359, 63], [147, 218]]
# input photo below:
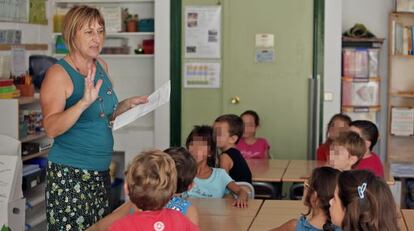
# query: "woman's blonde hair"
[[75, 19], [151, 179]]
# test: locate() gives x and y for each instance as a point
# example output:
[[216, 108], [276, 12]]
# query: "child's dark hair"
[[252, 114], [235, 123], [205, 132], [369, 131], [353, 143], [342, 117], [322, 181], [372, 208], [186, 167]]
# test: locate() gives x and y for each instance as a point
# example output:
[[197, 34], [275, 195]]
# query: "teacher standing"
[[78, 104]]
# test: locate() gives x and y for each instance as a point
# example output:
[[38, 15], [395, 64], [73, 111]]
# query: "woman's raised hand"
[[91, 91]]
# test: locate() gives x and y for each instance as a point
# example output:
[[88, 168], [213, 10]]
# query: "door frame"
[[176, 64]]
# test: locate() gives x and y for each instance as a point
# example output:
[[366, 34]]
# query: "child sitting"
[[363, 201], [210, 182], [346, 150], [369, 133], [151, 181], [337, 124], [228, 130], [186, 171], [318, 192], [250, 146]]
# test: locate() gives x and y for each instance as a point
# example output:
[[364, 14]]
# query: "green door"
[[278, 90]]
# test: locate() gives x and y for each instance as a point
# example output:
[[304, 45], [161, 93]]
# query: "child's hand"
[[241, 201]]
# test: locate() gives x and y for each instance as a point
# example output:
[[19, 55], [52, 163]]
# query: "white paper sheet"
[[155, 100]]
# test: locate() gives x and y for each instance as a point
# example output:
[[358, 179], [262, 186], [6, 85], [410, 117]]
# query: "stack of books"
[[8, 89]]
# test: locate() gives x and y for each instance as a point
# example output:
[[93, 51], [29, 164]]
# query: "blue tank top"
[[88, 144], [179, 204], [304, 225]]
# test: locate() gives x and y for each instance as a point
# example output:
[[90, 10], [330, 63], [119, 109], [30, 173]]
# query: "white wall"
[[332, 59], [341, 15]]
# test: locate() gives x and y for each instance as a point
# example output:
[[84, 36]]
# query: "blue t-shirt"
[[304, 225], [213, 187]]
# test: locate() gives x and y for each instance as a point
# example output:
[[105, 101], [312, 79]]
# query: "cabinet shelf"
[[361, 108], [7, 47], [36, 196], [403, 56], [32, 137], [34, 155], [402, 94]]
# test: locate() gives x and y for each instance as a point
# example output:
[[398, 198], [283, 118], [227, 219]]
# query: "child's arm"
[[192, 214], [288, 226], [117, 214], [266, 154], [242, 196], [226, 162]]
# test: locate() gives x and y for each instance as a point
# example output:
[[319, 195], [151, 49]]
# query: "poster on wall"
[[202, 75], [202, 31]]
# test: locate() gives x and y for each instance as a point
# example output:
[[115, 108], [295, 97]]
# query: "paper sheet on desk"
[[155, 100]]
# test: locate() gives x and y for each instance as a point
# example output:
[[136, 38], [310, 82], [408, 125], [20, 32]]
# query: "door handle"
[[235, 100]]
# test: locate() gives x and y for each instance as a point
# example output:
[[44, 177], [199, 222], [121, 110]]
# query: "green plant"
[[5, 228]]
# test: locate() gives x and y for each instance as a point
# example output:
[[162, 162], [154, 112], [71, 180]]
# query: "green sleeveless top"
[[88, 144]]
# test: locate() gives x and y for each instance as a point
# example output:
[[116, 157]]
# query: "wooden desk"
[[408, 216], [224, 207], [219, 214], [218, 223], [267, 170], [276, 212], [300, 170]]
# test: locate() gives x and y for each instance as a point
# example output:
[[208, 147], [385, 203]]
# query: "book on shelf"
[[360, 62], [402, 121], [403, 39]]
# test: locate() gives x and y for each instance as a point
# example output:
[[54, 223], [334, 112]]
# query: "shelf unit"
[[11, 109], [32, 47], [400, 86], [359, 109]]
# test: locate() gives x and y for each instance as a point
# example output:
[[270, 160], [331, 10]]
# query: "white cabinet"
[[12, 111], [135, 74]]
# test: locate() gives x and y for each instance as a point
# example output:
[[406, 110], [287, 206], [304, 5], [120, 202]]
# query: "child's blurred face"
[[199, 149], [337, 127], [249, 126], [336, 209], [340, 158], [221, 130]]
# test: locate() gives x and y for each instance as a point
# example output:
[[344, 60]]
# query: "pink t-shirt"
[[163, 220], [253, 151], [373, 164]]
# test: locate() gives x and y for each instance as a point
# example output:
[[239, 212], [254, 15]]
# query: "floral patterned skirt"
[[76, 198]]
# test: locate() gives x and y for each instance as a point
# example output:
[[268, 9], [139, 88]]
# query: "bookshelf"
[[400, 143], [360, 78]]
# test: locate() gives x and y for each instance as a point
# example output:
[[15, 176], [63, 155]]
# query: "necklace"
[[100, 99]]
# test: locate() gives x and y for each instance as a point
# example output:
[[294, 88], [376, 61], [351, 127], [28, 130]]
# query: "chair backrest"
[[247, 187], [265, 190], [296, 191]]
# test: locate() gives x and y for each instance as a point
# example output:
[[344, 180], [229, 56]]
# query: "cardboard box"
[[13, 214]]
